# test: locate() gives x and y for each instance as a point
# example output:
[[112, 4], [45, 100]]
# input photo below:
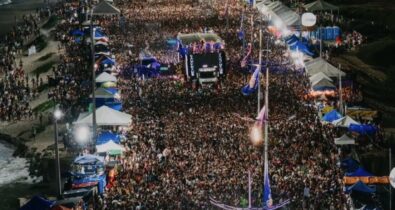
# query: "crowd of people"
[[16, 88], [186, 146]]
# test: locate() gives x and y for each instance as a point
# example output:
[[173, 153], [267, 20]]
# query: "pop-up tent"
[[37, 203], [345, 122], [344, 140], [360, 187], [105, 93], [88, 159], [323, 84], [318, 77], [105, 8], [360, 172], [105, 77], [110, 147], [106, 116], [320, 65], [320, 5], [362, 129], [349, 165], [107, 136], [331, 116]]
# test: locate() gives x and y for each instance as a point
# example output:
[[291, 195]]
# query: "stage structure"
[[204, 57]]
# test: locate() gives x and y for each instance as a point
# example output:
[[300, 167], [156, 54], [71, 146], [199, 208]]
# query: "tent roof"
[[345, 121], [37, 203], [320, 5], [319, 76], [344, 140], [359, 172], [106, 136], [332, 115], [323, 82], [110, 147], [106, 77], [279, 11], [360, 187], [106, 116], [88, 159], [103, 93], [320, 65], [105, 8]]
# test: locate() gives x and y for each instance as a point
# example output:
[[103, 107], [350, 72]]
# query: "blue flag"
[[267, 192], [252, 86]]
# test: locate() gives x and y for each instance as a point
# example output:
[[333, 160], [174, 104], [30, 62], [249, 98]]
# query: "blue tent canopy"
[[77, 32], [359, 172], [88, 159], [106, 136], [37, 203], [332, 115], [112, 90], [108, 61], [349, 165], [360, 187], [362, 129]]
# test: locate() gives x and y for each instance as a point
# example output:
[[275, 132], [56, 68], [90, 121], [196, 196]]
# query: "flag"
[[252, 86], [267, 192], [262, 115], [244, 61]]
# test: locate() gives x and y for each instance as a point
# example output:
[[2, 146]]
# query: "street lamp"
[[57, 115]]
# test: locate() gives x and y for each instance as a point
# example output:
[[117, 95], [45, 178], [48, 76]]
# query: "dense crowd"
[[16, 88], [186, 146]]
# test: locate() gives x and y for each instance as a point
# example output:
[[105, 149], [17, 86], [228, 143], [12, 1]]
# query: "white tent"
[[345, 121], [320, 65], [318, 77], [106, 77], [344, 140], [323, 83], [103, 93], [105, 8], [110, 147], [106, 116], [279, 13]]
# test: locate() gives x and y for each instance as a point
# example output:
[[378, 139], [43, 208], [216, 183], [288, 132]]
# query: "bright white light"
[[277, 42], [82, 134], [256, 135], [57, 114]]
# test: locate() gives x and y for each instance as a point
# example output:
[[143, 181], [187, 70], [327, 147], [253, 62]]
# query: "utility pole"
[[340, 91], [259, 72]]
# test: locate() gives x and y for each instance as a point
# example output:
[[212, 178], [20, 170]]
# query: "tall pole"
[[266, 164], [249, 189], [340, 90], [390, 168], [57, 161], [259, 72], [93, 79]]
